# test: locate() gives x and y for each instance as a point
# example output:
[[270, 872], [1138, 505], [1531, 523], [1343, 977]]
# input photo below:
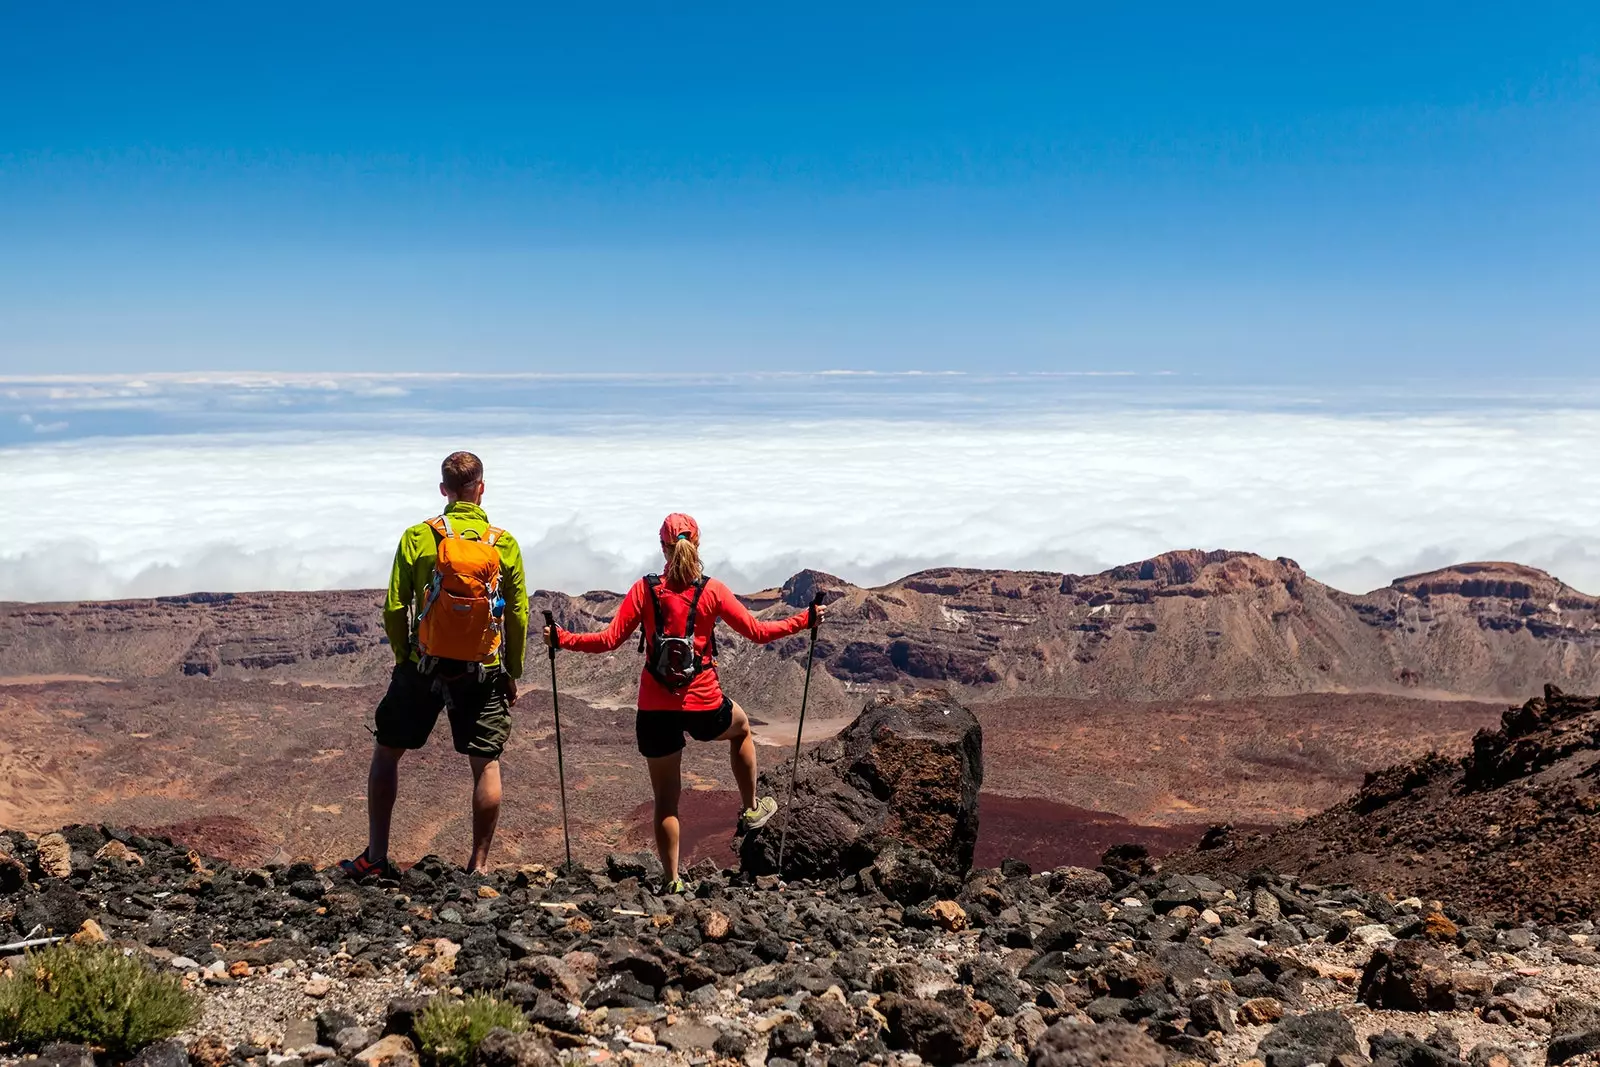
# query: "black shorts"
[[661, 733], [480, 714]]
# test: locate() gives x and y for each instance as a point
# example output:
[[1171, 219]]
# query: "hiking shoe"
[[362, 868], [676, 887], [757, 817]]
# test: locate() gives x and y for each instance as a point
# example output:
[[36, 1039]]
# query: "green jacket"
[[413, 570]]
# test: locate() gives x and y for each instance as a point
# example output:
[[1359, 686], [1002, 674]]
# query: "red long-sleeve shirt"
[[716, 602]]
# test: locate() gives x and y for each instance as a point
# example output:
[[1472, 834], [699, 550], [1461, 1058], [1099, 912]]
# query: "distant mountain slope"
[[1184, 625], [1512, 828]]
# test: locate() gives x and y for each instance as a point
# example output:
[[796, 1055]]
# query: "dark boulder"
[[168, 1053], [502, 1048], [400, 1016], [1111, 1044], [641, 865], [940, 1033], [1302, 1040], [1390, 1049], [907, 770], [58, 909], [1407, 976], [908, 875]]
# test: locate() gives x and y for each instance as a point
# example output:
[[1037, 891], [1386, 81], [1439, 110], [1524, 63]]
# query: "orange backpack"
[[461, 615]]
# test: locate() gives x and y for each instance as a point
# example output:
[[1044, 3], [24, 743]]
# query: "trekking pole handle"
[[816, 602], [550, 621]]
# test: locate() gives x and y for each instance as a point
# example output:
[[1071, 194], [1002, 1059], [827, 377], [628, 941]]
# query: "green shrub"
[[449, 1030], [92, 995]]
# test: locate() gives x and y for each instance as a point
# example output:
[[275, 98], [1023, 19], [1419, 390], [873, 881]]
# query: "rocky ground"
[[1125, 964], [862, 933]]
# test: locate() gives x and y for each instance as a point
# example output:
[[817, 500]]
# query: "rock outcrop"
[[1513, 828], [901, 782]]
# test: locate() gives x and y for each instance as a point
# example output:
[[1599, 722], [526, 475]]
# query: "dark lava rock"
[[940, 1034], [1398, 1050], [400, 1017], [908, 769], [168, 1053], [13, 874], [641, 865], [731, 1045], [57, 910], [331, 1023], [1210, 1014], [517, 945], [833, 1022], [502, 1048], [620, 990], [789, 1038], [1113, 1044], [908, 875], [1570, 1046], [1407, 976], [63, 1054], [1302, 1040]]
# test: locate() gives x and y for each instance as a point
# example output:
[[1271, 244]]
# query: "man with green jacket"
[[477, 689]]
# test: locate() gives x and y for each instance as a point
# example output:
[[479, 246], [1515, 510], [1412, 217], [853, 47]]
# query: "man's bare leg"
[[485, 809], [666, 782], [383, 785]]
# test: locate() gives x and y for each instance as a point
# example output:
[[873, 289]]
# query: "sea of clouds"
[[1358, 499]]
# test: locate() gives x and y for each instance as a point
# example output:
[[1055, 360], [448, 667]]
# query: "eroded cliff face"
[[1184, 625]]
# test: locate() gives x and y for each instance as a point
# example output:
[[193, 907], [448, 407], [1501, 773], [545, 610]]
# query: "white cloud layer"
[[1357, 500]]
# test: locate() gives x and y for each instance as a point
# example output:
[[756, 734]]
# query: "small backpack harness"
[[672, 660]]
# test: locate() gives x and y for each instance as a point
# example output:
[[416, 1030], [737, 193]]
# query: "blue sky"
[[1249, 193]]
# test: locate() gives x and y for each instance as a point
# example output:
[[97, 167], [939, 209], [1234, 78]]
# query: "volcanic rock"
[[1302, 1040], [168, 1053], [391, 1051], [940, 1033], [1407, 976], [1570, 1046], [65, 1054], [1111, 1044], [907, 770], [55, 857], [502, 1048]]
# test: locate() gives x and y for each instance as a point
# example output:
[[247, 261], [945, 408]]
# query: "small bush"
[[449, 1030], [92, 995]]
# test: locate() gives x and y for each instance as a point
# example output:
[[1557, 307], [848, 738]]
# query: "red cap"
[[679, 525]]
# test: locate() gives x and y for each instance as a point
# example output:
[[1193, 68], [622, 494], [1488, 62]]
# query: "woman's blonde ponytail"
[[683, 562]]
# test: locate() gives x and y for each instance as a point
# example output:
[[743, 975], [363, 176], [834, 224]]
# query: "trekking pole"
[[794, 767], [561, 768]]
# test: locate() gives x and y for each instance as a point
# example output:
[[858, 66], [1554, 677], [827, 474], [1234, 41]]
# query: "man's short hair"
[[460, 471]]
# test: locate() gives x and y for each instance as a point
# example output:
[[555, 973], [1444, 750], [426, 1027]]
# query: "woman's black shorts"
[[661, 733]]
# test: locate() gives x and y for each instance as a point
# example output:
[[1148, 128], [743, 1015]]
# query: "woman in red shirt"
[[679, 692]]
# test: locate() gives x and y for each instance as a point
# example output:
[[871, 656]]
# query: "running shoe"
[[362, 868], [675, 887], [757, 817]]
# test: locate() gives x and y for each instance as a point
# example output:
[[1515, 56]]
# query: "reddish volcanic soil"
[[254, 770], [1042, 833]]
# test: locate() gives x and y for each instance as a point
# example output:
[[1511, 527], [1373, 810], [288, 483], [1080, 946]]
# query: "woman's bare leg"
[[742, 755], [666, 781]]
